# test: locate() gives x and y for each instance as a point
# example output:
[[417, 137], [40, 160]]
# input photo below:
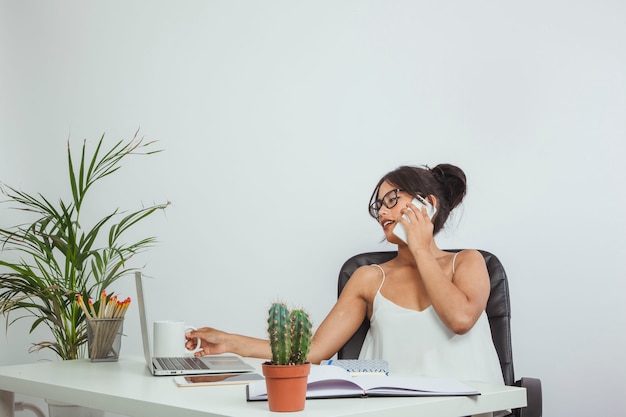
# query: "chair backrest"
[[498, 308]]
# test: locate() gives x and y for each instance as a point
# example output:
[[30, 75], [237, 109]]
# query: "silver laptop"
[[216, 364]]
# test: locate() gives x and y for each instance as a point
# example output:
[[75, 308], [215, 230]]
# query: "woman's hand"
[[419, 228], [212, 341]]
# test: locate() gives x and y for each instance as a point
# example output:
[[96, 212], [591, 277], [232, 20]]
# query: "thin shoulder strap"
[[454, 261], [383, 271]]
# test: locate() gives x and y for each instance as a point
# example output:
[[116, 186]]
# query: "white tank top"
[[418, 343]]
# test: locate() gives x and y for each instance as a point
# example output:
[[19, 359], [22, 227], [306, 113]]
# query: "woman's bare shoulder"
[[469, 265], [365, 278], [469, 256]]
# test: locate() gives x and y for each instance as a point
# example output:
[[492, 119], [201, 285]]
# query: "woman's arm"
[[340, 324], [215, 341], [347, 315], [458, 302]]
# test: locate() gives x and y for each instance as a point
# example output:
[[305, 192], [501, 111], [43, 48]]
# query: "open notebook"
[[184, 365], [335, 382]]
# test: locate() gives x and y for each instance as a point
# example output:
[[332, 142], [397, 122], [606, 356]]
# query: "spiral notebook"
[[361, 366]]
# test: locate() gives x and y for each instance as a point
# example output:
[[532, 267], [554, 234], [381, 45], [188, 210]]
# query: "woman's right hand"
[[212, 341]]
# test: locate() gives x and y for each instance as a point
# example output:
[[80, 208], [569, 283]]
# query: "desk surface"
[[126, 387]]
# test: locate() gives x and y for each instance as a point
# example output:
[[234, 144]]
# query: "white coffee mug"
[[169, 339]]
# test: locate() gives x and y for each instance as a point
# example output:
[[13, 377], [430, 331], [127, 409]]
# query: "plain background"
[[277, 118]]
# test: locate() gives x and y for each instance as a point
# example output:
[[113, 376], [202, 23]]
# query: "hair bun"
[[453, 182]]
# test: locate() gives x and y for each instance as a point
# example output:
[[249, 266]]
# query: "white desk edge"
[[126, 387]]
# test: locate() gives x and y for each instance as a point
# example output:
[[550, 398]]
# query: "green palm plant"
[[58, 258]]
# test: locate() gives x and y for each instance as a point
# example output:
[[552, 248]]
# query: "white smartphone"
[[418, 202]]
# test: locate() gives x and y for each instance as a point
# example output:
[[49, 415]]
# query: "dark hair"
[[445, 181]]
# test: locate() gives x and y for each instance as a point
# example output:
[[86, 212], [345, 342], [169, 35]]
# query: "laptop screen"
[[145, 339]]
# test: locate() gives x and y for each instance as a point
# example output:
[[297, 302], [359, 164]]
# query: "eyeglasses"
[[389, 200]]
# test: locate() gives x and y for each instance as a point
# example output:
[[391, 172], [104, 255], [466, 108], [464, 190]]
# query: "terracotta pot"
[[286, 386]]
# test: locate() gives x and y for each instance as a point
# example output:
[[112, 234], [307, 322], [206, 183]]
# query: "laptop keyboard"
[[182, 363]]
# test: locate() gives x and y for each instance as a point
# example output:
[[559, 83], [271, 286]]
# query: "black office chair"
[[498, 313]]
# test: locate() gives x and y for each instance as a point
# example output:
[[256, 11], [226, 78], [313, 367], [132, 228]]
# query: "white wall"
[[277, 119]]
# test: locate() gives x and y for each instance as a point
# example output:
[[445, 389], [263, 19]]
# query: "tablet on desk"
[[223, 379]]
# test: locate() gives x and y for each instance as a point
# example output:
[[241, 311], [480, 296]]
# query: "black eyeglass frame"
[[377, 205]]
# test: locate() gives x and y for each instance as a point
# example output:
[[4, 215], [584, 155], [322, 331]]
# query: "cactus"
[[290, 335], [279, 330], [300, 336]]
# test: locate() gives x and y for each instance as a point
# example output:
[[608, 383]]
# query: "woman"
[[426, 306]]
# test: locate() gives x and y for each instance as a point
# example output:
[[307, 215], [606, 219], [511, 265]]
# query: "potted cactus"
[[286, 374]]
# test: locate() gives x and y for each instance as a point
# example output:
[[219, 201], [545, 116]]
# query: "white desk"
[[126, 388]]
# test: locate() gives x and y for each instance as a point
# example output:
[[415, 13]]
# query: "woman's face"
[[390, 203]]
